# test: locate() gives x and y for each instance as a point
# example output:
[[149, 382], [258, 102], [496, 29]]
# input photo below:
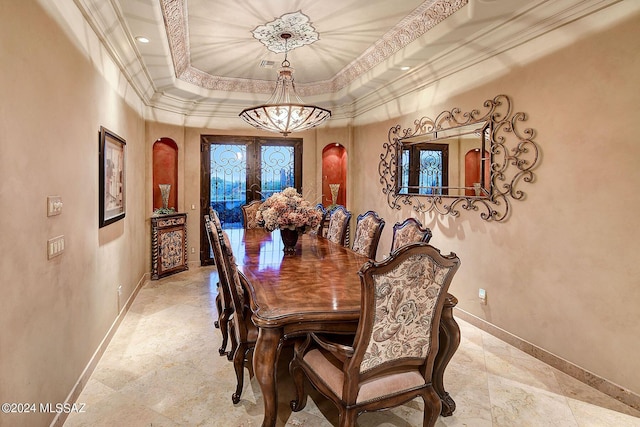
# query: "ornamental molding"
[[297, 24], [424, 18]]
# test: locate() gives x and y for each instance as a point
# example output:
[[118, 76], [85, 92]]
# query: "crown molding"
[[349, 92], [107, 22], [550, 14]]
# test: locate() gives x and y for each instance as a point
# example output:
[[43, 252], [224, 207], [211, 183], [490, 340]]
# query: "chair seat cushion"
[[329, 369]]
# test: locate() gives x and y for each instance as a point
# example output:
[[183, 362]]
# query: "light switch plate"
[[482, 294], [54, 205], [55, 247]]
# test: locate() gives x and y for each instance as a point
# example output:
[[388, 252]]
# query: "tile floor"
[[162, 369]]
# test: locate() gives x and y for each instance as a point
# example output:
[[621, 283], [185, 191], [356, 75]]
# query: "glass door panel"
[[276, 169], [236, 170], [228, 178], [430, 172]]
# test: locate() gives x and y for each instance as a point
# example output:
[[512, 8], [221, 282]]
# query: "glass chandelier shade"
[[285, 112]]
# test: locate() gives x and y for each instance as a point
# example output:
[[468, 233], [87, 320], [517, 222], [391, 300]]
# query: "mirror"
[[473, 160], [448, 162]]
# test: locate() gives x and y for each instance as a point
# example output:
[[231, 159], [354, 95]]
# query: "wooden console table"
[[168, 244]]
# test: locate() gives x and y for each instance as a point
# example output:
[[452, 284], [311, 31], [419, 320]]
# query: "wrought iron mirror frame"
[[514, 155]]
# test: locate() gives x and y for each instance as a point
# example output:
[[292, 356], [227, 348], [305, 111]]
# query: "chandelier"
[[285, 112]]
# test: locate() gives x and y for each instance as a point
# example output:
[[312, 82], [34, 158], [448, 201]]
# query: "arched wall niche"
[[165, 171], [334, 171], [473, 170]]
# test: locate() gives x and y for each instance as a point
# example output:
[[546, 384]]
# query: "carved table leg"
[[449, 340], [265, 359]]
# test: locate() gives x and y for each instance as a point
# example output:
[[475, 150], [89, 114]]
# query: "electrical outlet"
[[193, 250], [482, 294]]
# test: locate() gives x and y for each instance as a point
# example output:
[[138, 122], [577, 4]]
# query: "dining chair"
[[223, 299], [368, 230], [319, 230], [242, 331], [409, 231], [392, 357], [249, 214], [339, 225], [208, 231]]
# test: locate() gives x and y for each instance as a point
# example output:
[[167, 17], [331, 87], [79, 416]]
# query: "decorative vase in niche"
[[289, 239], [165, 189], [334, 192]]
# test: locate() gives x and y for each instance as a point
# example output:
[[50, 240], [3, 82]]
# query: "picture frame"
[[112, 177]]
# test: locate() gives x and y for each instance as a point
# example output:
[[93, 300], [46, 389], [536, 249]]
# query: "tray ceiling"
[[214, 57]]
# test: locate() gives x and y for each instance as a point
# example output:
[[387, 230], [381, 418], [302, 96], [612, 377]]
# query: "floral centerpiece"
[[289, 212], [288, 209]]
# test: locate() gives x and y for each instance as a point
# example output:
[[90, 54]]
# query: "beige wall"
[[54, 313], [562, 272]]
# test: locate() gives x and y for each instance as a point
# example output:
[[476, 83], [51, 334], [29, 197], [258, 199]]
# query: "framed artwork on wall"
[[112, 177]]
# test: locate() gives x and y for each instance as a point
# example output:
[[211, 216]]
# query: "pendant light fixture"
[[285, 112]]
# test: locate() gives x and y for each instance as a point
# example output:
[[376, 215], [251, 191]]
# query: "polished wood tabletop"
[[319, 282], [317, 289]]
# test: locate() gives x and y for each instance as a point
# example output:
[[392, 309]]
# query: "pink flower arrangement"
[[288, 209]]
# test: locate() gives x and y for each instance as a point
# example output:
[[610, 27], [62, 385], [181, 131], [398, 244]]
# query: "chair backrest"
[[249, 214], [409, 231], [215, 218], [321, 224], [368, 230], [214, 231], [241, 313], [338, 225], [402, 300]]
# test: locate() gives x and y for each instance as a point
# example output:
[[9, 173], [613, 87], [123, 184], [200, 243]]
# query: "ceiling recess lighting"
[[285, 112], [142, 39], [405, 68]]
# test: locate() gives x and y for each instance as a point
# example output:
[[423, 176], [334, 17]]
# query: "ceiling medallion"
[[296, 24]]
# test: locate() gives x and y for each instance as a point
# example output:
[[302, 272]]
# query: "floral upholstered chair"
[[249, 214], [368, 230], [409, 231], [319, 230], [339, 225], [242, 331], [392, 357], [224, 304]]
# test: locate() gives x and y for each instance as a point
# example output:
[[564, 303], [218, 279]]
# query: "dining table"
[[314, 289]]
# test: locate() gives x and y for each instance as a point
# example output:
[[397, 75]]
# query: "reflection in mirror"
[[473, 160], [449, 162]]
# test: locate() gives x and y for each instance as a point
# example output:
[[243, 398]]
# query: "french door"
[[424, 169], [237, 170]]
